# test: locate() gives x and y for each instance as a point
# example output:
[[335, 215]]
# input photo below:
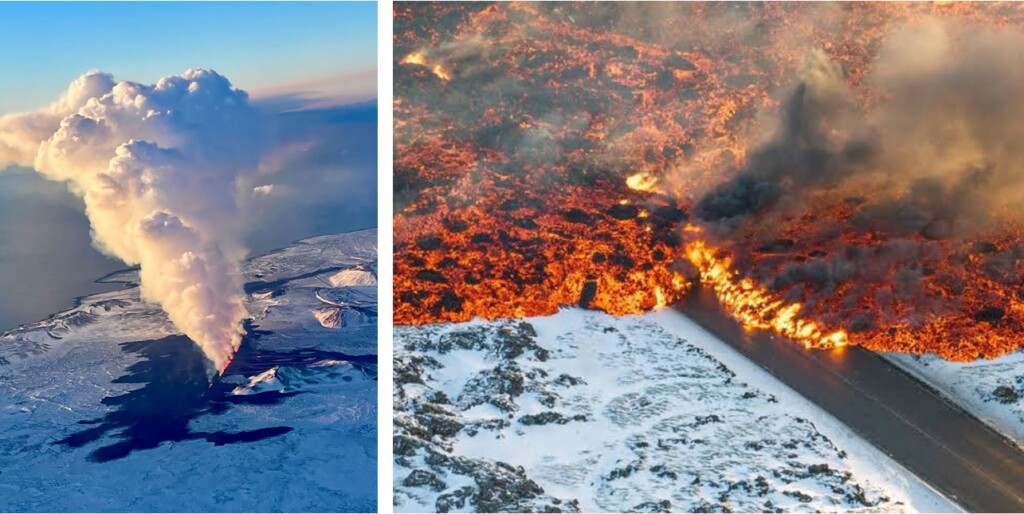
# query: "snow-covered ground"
[[581, 411], [992, 390], [104, 407]]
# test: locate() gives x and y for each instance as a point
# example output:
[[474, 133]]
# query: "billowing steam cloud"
[[943, 141], [157, 167]]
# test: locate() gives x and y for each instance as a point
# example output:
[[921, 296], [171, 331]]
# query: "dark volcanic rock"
[[578, 216], [456, 225], [777, 246], [422, 478], [430, 275], [623, 211], [984, 247], [454, 500], [679, 62], [1006, 394], [450, 302], [526, 223], [661, 506], [444, 426], [587, 294], [429, 243], [498, 386], [549, 417], [669, 214], [989, 314]]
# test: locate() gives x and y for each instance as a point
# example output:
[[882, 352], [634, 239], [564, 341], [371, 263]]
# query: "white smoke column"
[[157, 168]]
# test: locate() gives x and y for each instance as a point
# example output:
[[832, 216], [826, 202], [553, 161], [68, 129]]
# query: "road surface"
[[946, 446]]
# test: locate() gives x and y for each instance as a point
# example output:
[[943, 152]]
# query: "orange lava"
[[754, 306], [548, 155]]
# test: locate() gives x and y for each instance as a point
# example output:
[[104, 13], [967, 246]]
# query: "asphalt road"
[[946, 446]]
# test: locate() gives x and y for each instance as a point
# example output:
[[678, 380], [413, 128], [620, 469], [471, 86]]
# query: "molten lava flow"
[[440, 72], [552, 154], [894, 292], [641, 181], [506, 211], [754, 306], [414, 58], [419, 59], [227, 364]]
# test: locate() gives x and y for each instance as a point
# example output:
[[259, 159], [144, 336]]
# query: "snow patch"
[[353, 277], [266, 381], [581, 411], [329, 317]]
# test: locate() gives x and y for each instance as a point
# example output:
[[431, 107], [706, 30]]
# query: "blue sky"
[[325, 48]]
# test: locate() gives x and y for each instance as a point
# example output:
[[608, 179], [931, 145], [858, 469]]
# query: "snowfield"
[[105, 407], [581, 411]]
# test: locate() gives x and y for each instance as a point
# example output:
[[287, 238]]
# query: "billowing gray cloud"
[[942, 147]]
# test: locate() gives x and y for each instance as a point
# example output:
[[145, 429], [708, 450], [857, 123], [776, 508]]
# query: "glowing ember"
[[415, 58], [439, 71], [418, 59], [754, 306], [641, 181]]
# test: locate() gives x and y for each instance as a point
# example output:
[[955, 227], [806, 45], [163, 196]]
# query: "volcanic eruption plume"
[[841, 173], [156, 166]]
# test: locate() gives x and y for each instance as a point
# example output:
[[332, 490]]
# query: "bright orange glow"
[[227, 364], [440, 72], [415, 58], [660, 299], [419, 59], [561, 168], [754, 306], [641, 181]]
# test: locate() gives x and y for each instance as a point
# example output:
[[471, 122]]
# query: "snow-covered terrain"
[[992, 390], [581, 411], [105, 407]]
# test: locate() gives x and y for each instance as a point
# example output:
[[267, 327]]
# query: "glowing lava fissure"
[[562, 157]]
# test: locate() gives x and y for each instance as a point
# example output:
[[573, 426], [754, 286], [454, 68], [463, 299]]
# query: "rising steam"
[[156, 166]]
